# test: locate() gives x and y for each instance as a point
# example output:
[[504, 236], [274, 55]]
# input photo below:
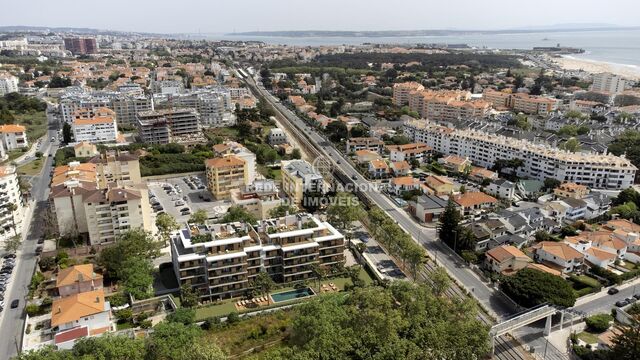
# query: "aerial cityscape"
[[335, 180]]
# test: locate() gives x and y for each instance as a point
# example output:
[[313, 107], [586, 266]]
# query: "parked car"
[[179, 203], [15, 303], [39, 250], [613, 291], [622, 303], [41, 240], [637, 296], [9, 256]]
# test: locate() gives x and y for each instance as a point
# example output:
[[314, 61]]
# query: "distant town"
[[165, 198]]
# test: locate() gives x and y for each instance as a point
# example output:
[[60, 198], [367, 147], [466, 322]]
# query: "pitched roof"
[[72, 308], [558, 249], [400, 165], [404, 180], [505, 252], [470, 199], [76, 273], [12, 128], [378, 164], [435, 180], [601, 254]]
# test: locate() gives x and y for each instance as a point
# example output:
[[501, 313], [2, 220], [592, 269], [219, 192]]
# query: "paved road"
[[12, 320]]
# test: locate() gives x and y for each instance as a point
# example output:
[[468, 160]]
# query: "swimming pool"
[[292, 294]]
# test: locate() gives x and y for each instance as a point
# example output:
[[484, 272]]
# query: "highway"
[[12, 320]]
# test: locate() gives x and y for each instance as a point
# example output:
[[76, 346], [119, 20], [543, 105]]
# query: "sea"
[[619, 47]]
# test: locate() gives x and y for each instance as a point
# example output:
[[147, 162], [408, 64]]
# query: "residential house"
[[455, 163], [366, 156], [79, 315], [502, 188], [571, 190], [85, 149], [440, 185], [400, 168], [429, 207], [474, 202], [506, 259], [13, 137], [77, 279], [364, 143], [398, 185], [378, 169], [479, 174], [559, 256]]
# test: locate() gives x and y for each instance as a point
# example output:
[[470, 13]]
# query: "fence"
[[78, 251]]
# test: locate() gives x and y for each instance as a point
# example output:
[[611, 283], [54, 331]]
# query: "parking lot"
[[182, 196], [8, 263]]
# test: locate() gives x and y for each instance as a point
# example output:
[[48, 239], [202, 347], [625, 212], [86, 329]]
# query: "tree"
[[599, 323], [626, 345], [531, 287], [264, 284], [627, 143], [336, 131], [188, 296], [135, 243], [166, 224], [282, 210], [67, 134], [137, 277], [551, 183], [13, 243], [199, 217], [182, 315], [440, 281], [236, 213], [344, 210], [572, 145], [59, 82], [449, 222], [295, 154], [171, 341], [109, 347]]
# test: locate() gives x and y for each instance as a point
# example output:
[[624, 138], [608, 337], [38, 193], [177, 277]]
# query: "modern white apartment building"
[[209, 103], [221, 260], [95, 125], [127, 107], [13, 137], [10, 221], [71, 103], [539, 161], [8, 83], [608, 82], [298, 176], [125, 104]]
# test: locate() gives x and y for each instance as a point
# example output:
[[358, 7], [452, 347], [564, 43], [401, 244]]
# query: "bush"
[[233, 318], [61, 257], [124, 315], [182, 315], [146, 324], [599, 323], [47, 263], [611, 277], [211, 323], [32, 310]]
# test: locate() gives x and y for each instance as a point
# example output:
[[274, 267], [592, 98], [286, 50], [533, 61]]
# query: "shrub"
[[47, 263], [233, 318], [599, 323], [146, 324], [117, 299], [182, 315], [32, 309], [211, 323], [124, 315], [61, 257]]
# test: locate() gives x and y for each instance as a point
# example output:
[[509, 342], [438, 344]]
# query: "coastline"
[[568, 62]]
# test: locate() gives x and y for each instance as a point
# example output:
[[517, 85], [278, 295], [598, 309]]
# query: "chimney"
[[97, 299]]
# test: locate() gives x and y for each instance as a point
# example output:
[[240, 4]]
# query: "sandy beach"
[[593, 66]]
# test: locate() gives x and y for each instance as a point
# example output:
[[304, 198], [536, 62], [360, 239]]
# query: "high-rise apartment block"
[[79, 45]]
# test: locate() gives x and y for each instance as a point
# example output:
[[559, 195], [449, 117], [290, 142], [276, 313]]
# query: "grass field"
[[13, 154], [31, 168], [588, 337], [224, 132], [36, 124]]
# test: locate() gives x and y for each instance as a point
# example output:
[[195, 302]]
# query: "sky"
[[226, 16]]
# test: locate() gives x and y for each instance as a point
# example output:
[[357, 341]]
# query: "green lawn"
[[588, 337], [124, 326], [589, 281], [31, 168], [275, 174], [629, 265]]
